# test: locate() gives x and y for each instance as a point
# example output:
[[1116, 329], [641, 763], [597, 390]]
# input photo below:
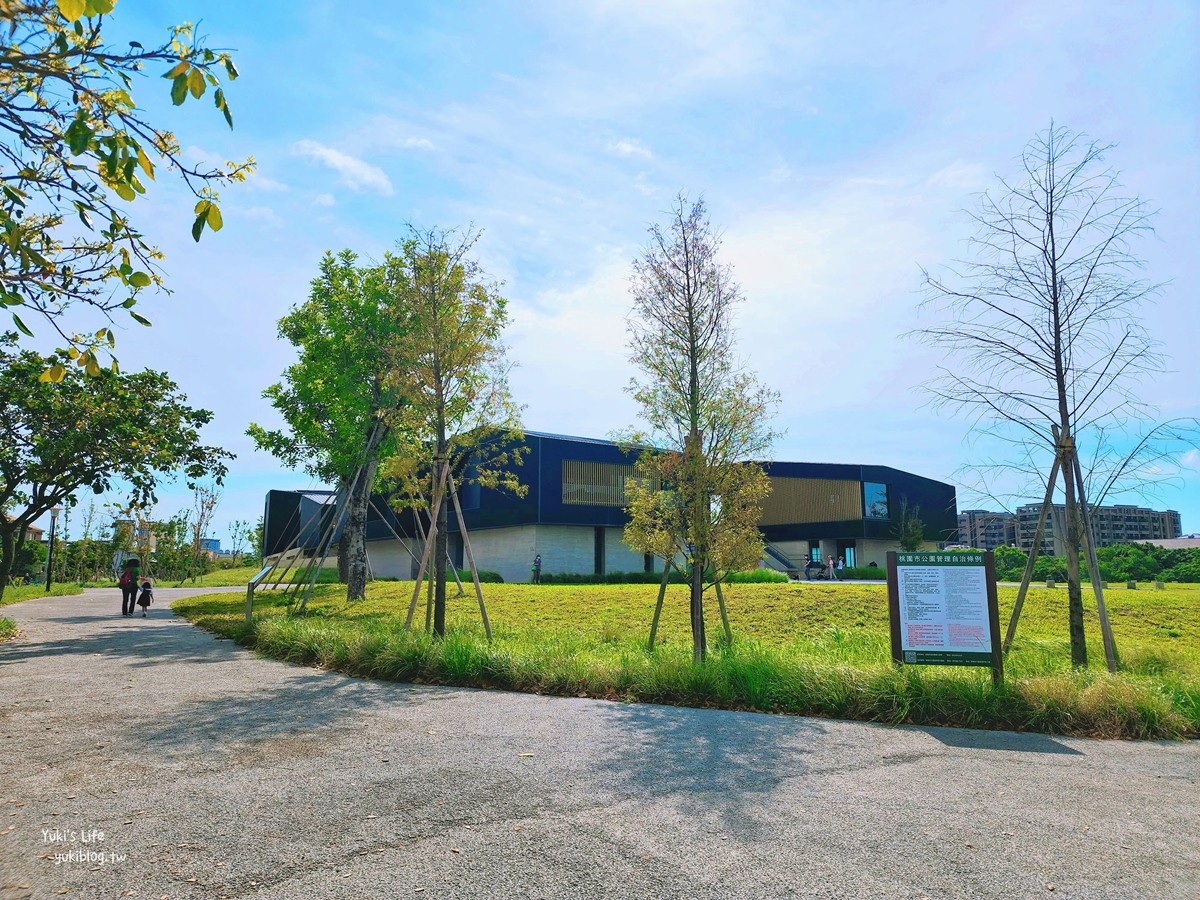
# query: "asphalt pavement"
[[146, 758]]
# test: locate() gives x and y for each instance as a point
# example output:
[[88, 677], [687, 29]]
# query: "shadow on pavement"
[[296, 707], [709, 761], [1023, 742], [135, 640]]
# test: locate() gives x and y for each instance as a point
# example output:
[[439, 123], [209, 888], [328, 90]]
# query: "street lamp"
[[50, 557]]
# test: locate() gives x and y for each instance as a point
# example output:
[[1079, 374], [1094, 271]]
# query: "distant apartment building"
[[986, 530], [1111, 525]]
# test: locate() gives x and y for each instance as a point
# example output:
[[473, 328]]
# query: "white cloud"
[[643, 186], [1191, 459], [960, 176], [258, 182], [355, 173], [415, 143], [264, 214], [629, 147], [324, 200], [548, 335]]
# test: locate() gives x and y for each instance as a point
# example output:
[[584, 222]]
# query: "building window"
[[595, 483], [875, 501]]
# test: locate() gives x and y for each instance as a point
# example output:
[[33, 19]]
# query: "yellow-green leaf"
[[100, 7], [21, 325], [140, 319], [54, 375], [139, 280], [178, 69], [196, 82], [93, 367], [124, 191], [214, 218], [73, 352], [202, 207], [71, 10], [179, 89], [144, 162]]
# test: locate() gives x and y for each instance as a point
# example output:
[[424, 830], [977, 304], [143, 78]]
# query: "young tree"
[[451, 370], [75, 149], [909, 530], [239, 534], [705, 415], [1043, 325], [204, 507], [93, 432], [337, 396]]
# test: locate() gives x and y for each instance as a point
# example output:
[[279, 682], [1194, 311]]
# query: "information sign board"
[[943, 609]]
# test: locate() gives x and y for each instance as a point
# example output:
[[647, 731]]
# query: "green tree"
[[450, 368], [335, 399], [126, 430], [75, 149], [705, 416], [909, 529]]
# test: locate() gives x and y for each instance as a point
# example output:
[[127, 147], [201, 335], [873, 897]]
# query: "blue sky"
[[835, 144]]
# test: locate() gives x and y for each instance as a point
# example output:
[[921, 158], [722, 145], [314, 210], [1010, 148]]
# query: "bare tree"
[[1043, 329], [706, 415]]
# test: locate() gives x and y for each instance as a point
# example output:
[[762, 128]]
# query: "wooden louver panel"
[[594, 483], [794, 500]]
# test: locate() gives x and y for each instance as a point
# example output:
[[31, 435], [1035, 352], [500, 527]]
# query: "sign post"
[[943, 610]]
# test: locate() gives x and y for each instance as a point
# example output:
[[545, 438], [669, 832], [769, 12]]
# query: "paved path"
[[214, 773]]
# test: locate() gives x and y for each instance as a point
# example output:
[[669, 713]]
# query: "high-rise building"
[[985, 530], [1117, 524]]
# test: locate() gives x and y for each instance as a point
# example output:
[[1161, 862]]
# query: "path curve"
[[214, 773]]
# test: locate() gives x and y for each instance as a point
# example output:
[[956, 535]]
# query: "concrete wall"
[[796, 551], [565, 548], [509, 551], [618, 556], [389, 559]]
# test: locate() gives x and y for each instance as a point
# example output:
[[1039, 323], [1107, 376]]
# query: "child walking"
[[146, 597]]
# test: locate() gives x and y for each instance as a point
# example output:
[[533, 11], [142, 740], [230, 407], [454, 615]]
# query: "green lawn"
[[33, 591], [799, 648]]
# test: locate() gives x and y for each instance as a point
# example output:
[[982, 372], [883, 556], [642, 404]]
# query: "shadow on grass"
[[711, 764]]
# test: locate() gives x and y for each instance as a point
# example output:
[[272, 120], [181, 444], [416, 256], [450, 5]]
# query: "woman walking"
[[129, 585]]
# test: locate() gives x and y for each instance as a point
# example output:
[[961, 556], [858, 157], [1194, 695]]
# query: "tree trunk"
[[439, 568], [353, 546], [699, 642], [343, 557], [7, 556], [1074, 590]]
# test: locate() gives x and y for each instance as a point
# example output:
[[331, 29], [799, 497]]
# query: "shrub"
[[864, 573], [757, 576], [485, 577], [610, 578]]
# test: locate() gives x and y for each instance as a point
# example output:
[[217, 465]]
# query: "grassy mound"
[[811, 649]]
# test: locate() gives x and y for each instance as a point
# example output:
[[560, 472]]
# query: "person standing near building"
[[536, 569], [128, 582], [832, 561]]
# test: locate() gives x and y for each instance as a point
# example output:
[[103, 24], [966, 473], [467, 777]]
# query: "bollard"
[[1159, 586], [1131, 585], [1049, 582]]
